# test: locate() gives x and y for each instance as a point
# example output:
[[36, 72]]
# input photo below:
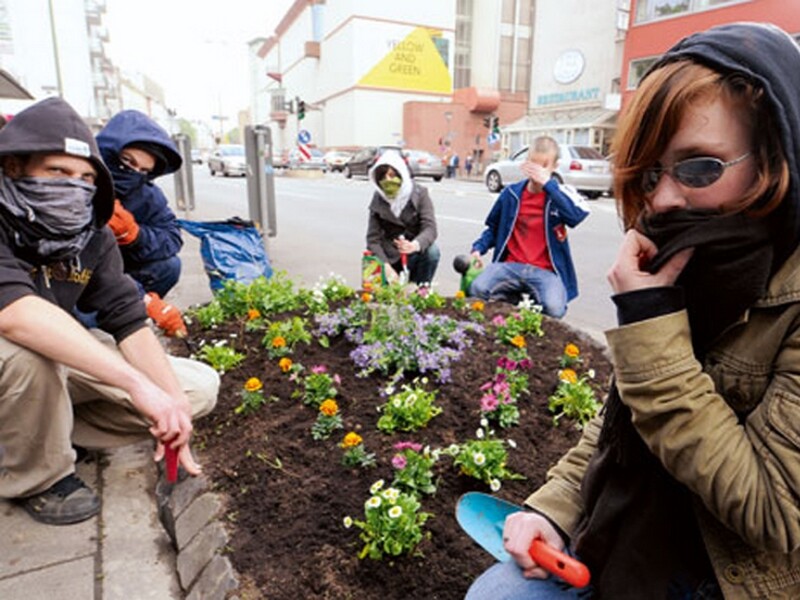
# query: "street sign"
[[304, 152], [303, 136], [492, 138]]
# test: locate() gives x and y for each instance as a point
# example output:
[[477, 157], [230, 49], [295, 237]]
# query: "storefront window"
[[638, 69]]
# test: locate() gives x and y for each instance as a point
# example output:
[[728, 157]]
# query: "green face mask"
[[390, 186]]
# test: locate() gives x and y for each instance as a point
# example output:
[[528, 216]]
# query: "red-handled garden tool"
[[482, 517], [171, 458], [404, 263]]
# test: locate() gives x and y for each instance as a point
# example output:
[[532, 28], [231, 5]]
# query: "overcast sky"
[[195, 49]]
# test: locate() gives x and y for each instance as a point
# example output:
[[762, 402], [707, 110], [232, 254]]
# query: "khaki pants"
[[46, 407]]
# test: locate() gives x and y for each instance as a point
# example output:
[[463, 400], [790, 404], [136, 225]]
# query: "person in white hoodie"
[[401, 221]]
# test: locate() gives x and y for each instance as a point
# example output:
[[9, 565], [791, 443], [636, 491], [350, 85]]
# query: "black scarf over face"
[[638, 532]]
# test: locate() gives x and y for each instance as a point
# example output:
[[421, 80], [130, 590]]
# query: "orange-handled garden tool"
[[482, 516]]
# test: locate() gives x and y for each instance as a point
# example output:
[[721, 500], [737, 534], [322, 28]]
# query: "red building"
[[657, 24]]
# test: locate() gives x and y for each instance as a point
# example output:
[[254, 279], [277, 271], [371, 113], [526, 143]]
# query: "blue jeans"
[[507, 281], [504, 581], [421, 265], [158, 276]]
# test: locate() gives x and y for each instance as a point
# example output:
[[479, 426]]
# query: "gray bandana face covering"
[[51, 216]]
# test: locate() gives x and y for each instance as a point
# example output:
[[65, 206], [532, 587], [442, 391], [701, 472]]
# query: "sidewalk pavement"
[[125, 552]]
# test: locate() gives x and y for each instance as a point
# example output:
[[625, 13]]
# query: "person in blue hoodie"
[[527, 227], [137, 151]]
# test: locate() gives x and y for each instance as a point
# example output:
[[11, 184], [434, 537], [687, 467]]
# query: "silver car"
[[228, 159], [582, 167], [424, 164]]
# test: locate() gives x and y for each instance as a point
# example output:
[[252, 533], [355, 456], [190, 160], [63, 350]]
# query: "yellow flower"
[[351, 440], [285, 364], [460, 294], [568, 375], [572, 351], [329, 408], [253, 313], [366, 297], [477, 305], [518, 341], [253, 384], [278, 342]]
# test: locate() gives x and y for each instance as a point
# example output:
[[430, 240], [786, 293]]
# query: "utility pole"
[[55, 50]]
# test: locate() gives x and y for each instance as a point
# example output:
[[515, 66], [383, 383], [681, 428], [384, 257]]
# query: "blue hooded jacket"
[[159, 234]]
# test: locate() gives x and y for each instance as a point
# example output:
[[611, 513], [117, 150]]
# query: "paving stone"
[[72, 580], [216, 580], [185, 492], [200, 551], [195, 517]]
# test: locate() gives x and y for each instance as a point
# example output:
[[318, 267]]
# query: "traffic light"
[[496, 125], [301, 110]]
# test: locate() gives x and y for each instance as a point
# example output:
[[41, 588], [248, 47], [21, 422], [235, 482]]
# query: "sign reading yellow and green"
[[413, 64]]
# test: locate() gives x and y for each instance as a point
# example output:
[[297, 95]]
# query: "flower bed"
[[351, 424]]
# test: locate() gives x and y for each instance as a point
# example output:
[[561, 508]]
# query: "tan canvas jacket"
[[729, 431]]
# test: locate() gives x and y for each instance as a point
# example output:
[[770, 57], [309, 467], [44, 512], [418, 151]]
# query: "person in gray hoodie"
[[401, 221]]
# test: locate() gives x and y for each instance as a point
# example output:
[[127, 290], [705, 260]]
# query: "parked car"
[[425, 164], [280, 159], [197, 157], [336, 159], [362, 161], [582, 167], [316, 161], [228, 159]]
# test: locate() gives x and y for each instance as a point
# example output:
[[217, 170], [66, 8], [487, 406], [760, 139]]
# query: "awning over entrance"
[[10, 88], [596, 118]]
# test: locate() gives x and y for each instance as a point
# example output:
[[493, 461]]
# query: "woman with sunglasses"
[[688, 483]]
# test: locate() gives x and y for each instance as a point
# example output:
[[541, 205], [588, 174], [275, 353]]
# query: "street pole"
[[56, 60]]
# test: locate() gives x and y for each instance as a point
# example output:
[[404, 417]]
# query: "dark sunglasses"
[[697, 172]]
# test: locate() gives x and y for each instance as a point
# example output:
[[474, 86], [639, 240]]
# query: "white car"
[[228, 159], [336, 159], [582, 167]]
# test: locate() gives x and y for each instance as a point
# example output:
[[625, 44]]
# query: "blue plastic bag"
[[231, 249]]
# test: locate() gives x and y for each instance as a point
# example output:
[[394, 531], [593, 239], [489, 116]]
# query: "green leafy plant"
[[571, 357], [328, 420], [317, 386], [283, 336], [414, 468], [252, 396], [527, 320], [208, 315], [425, 298], [325, 291], [220, 356], [269, 296], [409, 409], [483, 459], [574, 398], [393, 523], [355, 455]]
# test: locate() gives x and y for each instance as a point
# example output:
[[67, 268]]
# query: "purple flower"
[[399, 461]]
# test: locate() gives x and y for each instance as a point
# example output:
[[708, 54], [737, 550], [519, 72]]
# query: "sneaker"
[[65, 502]]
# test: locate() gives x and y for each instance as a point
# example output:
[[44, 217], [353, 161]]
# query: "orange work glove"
[[165, 315], [124, 226]]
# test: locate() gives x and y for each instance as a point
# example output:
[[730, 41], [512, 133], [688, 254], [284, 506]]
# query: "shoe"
[[65, 502]]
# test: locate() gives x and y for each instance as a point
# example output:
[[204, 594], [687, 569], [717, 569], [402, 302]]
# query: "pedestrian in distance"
[[61, 384], [468, 164], [137, 151], [688, 483], [401, 221], [527, 227], [454, 165]]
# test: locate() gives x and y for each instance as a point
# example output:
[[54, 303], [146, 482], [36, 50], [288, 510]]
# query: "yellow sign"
[[413, 64]]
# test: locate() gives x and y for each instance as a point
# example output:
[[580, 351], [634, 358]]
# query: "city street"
[[321, 224]]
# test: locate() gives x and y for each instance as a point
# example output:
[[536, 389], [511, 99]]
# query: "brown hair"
[[655, 114], [544, 144]]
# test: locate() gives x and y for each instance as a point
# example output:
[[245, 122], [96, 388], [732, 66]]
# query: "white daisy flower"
[[395, 512], [373, 502], [479, 433], [376, 487], [511, 443], [348, 522], [479, 458], [484, 422], [494, 485]]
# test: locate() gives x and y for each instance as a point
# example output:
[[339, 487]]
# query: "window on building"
[[650, 10], [506, 62], [461, 72], [637, 70], [509, 11], [526, 12], [523, 66]]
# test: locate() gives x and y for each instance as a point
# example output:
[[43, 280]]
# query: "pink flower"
[[499, 320], [399, 461], [317, 369], [486, 386], [489, 403], [400, 446], [501, 388], [525, 363], [502, 362], [337, 380]]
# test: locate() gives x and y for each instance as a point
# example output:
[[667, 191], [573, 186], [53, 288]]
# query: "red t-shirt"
[[528, 243]]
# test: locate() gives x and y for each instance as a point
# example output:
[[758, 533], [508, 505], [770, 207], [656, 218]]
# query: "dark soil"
[[287, 494]]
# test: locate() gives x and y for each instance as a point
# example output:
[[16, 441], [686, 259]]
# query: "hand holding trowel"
[[483, 516], [403, 260]]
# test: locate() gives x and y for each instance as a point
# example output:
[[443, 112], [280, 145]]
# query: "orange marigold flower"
[[366, 297], [285, 364], [253, 313], [351, 440], [568, 375], [278, 342], [572, 351], [477, 305], [253, 384], [460, 294], [329, 408], [518, 341]]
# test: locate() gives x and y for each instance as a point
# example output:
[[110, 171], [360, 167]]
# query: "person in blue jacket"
[[527, 229], [137, 151]]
